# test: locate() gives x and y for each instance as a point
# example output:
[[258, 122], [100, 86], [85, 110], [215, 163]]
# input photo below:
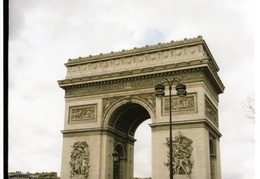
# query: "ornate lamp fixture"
[[181, 92], [116, 169], [180, 88], [159, 90], [115, 155]]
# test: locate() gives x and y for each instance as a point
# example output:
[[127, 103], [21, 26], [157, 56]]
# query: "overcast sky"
[[45, 34]]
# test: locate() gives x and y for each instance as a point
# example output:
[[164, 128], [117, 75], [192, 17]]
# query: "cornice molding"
[[196, 123], [104, 73], [142, 71], [182, 66], [141, 82], [96, 131]]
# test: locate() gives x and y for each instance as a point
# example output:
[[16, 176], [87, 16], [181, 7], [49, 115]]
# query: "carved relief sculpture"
[[134, 83], [211, 111], [83, 113], [178, 104], [182, 151], [79, 160]]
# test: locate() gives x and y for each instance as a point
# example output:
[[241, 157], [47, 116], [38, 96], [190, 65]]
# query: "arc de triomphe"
[[109, 95]]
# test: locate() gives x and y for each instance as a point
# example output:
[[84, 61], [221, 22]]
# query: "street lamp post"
[[181, 92]]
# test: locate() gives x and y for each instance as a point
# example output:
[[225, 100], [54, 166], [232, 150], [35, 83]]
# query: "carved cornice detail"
[[132, 83], [140, 82], [139, 71]]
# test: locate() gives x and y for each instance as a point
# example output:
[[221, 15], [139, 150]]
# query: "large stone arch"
[[122, 119], [108, 96]]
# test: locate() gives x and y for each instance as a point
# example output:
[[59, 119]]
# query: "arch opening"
[[127, 117], [143, 151], [125, 120]]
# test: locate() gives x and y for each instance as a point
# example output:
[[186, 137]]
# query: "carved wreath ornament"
[[79, 160], [182, 151]]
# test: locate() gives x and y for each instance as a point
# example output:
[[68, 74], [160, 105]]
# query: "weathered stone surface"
[[109, 95]]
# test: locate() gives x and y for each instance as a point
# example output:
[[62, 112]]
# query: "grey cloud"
[[17, 21]]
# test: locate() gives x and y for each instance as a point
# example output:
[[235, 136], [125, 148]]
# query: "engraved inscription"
[[83, 113]]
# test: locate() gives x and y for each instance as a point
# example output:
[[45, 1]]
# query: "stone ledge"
[[196, 123], [135, 82], [96, 131], [143, 71]]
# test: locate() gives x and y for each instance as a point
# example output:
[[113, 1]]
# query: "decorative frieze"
[[182, 155], [83, 113], [211, 111], [134, 62], [189, 103], [141, 82], [136, 58], [79, 161]]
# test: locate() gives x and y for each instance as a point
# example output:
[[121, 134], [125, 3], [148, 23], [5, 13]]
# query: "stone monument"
[[109, 95]]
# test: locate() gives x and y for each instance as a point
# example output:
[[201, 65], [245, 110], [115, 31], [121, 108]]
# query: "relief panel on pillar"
[[182, 155], [187, 104], [79, 161], [211, 111], [84, 113]]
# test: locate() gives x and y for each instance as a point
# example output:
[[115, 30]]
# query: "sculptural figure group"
[[79, 160], [182, 150]]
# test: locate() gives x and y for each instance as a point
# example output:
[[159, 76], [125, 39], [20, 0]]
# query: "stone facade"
[[109, 95]]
